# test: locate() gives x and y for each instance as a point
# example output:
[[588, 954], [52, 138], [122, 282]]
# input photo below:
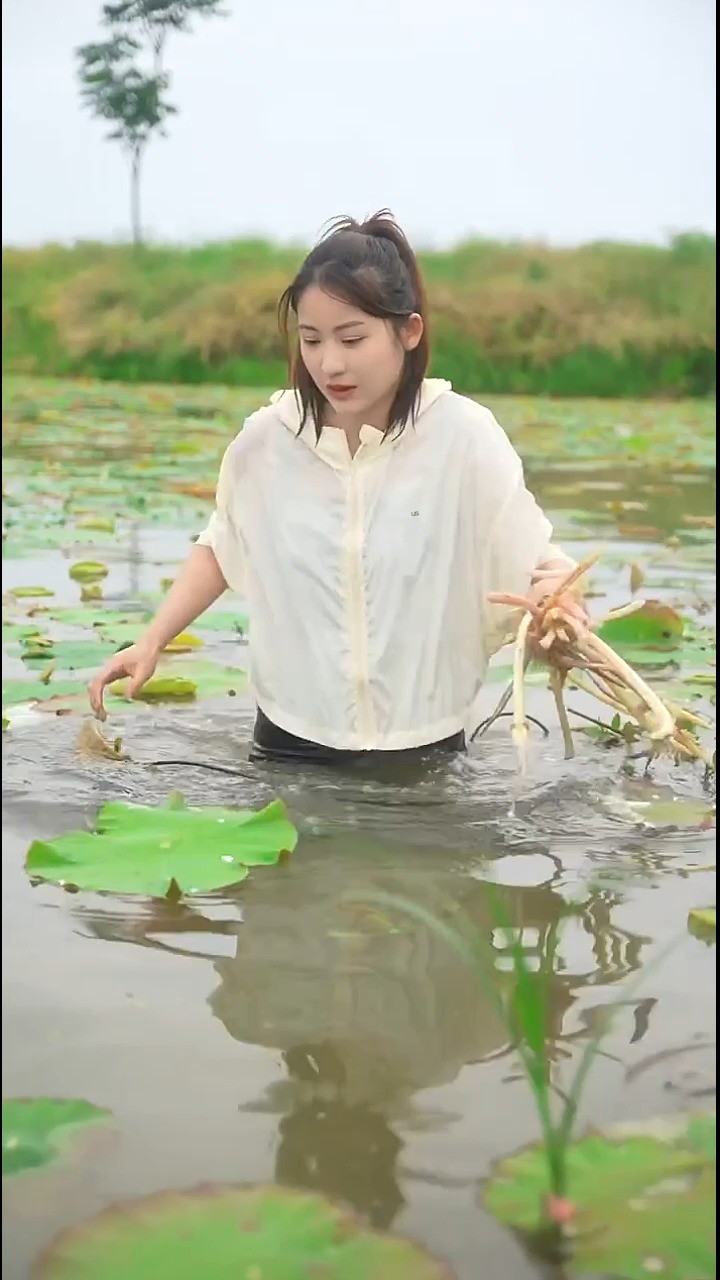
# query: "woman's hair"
[[371, 266]]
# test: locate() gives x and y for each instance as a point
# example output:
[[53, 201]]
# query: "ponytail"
[[382, 226]]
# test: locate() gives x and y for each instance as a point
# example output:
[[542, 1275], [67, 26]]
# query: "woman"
[[364, 516]]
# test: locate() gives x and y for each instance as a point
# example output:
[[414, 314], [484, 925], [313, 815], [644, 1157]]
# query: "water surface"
[[291, 1029]]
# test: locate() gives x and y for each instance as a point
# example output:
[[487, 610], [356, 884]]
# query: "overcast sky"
[[565, 120]]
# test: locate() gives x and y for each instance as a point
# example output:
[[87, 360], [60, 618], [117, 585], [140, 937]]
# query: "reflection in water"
[[368, 1006], [331, 1145]]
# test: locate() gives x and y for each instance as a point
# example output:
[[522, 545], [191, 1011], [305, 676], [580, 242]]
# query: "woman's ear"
[[412, 331]]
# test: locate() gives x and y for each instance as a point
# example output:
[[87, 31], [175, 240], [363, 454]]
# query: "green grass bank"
[[606, 319]]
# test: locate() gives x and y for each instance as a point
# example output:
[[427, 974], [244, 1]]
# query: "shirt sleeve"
[[222, 532], [517, 541]]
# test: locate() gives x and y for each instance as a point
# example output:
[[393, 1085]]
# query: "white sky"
[[565, 120]]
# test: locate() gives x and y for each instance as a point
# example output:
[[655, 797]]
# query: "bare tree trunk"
[[135, 166]]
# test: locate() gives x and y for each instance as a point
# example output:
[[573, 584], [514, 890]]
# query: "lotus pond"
[[251, 981]]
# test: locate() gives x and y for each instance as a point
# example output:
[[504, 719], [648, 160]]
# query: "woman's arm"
[[197, 586], [515, 539]]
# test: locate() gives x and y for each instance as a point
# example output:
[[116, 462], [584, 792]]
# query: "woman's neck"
[[378, 416]]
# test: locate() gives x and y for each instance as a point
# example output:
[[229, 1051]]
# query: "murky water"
[[295, 1030]]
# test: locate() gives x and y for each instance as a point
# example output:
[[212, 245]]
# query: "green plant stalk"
[[531, 1058], [528, 1030]]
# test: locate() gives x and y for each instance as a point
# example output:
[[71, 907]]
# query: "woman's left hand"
[[547, 581]]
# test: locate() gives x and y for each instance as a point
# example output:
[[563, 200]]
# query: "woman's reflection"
[[368, 1006], [329, 1145]]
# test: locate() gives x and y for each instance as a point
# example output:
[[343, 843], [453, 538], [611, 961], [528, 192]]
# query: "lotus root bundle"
[[576, 656]]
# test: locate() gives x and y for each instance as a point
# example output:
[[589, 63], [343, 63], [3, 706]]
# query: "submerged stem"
[[557, 681]]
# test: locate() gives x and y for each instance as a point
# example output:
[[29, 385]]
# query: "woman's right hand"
[[138, 663]]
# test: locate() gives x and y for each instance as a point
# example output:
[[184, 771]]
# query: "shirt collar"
[[289, 409]]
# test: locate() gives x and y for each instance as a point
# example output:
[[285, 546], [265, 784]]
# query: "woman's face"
[[355, 359]]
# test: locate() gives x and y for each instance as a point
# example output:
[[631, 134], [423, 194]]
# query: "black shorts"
[[272, 743]]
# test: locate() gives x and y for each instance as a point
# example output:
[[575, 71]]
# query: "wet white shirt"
[[366, 577]]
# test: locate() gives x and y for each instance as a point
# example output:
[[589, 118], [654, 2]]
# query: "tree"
[[116, 87], [157, 18], [134, 102]]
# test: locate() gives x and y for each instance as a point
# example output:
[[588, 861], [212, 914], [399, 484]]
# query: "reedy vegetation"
[[604, 319]]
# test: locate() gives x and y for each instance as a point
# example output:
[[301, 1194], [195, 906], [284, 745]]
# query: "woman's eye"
[[347, 342]]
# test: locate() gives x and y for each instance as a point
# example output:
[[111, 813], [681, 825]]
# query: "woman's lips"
[[335, 389]]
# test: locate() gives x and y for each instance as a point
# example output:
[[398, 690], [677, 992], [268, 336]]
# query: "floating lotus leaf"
[[35, 1131], [88, 571], [643, 1199], [247, 1233], [135, 849]]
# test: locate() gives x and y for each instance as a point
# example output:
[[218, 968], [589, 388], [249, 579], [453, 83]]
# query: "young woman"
[[364, 516]]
